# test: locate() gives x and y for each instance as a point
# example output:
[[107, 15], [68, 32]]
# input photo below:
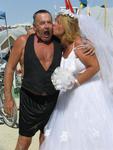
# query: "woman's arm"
[[91, 64]]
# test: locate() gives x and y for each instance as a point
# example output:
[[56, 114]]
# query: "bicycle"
[[9, 120]]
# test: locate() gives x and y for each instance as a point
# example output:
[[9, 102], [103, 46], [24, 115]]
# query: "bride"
[[83, 117]]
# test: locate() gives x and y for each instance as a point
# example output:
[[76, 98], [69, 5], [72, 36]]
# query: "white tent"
[[14, 33]]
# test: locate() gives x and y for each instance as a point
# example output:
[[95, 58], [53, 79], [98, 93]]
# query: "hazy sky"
[[21, 11]]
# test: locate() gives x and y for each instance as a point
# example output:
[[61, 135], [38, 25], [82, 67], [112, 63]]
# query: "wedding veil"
[[103, 44]]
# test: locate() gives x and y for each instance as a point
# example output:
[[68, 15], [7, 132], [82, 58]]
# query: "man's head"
[[42, 22]]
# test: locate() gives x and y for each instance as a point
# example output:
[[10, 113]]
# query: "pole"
[[105, 14], [88, 9], [7, 34]]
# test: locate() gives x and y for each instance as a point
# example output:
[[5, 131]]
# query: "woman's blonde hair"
[[71, 27]]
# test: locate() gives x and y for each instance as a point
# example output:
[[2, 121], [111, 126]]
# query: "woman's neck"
[[67, 49], [65, 43]]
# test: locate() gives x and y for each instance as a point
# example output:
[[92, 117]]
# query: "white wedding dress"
[[83, 117]]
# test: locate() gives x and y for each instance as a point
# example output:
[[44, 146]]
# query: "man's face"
[[43, 26]]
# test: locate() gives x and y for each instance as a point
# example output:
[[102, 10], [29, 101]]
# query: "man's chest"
[[45, 53]]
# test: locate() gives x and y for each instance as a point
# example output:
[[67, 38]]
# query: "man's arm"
[[14, 58]]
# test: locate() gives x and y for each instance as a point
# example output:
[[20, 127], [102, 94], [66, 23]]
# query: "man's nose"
[[46, 25]]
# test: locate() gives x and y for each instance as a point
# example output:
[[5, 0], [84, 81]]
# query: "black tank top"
[[36, 79]]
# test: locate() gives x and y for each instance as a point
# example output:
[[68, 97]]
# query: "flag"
[[69, 5], [66, 4], [2, 15], [83, 3]]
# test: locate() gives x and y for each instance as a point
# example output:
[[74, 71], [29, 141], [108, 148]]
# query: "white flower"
[[47, 132], [64, 136]]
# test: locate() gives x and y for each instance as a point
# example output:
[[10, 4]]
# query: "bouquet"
[[62, 79]]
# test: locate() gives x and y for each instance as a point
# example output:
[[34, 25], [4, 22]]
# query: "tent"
[[12, 36]]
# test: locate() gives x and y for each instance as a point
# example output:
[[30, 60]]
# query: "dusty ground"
[[8, 138]]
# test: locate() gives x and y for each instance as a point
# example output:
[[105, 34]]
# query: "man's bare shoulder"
[[23, 38], [21, 41]]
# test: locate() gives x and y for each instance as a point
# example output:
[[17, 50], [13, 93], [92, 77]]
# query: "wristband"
[[77, 82]]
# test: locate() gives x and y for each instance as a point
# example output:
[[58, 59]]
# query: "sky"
[[21, 11]]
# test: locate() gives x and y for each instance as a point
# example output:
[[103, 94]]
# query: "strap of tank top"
[[78, 47]]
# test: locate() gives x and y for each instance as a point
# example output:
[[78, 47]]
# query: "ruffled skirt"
[[82, 120]]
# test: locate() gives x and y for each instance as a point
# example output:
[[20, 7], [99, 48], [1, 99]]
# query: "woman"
[[83, 117]]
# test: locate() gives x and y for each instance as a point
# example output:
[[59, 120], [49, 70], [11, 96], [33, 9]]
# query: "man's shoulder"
[[23, 37], [21, 41]]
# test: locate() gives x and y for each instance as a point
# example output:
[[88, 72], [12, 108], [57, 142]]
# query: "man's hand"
[[9, 106], [88, 48]]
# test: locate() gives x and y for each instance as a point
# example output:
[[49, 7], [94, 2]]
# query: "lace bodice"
[[73, 64]]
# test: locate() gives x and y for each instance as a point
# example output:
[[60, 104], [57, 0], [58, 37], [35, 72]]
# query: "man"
[[42, 55], [39, 54]]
